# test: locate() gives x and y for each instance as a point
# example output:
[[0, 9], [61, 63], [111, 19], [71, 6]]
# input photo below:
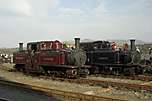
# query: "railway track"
[[106, 84], [103, 83], [52, 92]]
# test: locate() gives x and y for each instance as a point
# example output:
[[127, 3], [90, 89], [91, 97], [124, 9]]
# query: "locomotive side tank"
[[50, 57]]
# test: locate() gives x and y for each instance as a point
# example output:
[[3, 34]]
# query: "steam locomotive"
[[50, 57], [105, 58]]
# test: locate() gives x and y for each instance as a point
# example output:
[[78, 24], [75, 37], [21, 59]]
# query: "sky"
[[34, 20]]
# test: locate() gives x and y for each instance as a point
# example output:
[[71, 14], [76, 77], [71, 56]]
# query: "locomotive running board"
[[118, 65], [68, 66]]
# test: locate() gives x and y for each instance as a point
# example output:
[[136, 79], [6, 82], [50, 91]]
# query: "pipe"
[[77, 43]]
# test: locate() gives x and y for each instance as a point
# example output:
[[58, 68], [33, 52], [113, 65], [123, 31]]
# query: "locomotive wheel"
[[108, 70], [41, 69], [129, 71], [87, 72], [145, 62], [148, 70], [72, 73], [116, 71], [139, 70], [20, 68]]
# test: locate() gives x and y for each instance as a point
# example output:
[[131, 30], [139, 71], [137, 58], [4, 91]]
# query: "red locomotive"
[[50, 57]]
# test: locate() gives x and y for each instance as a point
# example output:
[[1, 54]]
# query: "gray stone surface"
[[17, 94]]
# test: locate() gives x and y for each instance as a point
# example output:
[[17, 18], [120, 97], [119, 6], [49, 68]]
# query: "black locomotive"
[[105, 58]]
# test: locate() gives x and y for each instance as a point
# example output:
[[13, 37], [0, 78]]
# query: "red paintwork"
[[20, 58], [48, 53], [58, 58]]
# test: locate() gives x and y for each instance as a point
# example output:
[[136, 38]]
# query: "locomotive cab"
[[32, 47]]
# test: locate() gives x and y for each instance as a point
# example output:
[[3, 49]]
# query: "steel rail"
[[120, 85]]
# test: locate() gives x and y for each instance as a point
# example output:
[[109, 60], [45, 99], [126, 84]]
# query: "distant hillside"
[[87, 40], [81, 40], [127, 41], [117, 41]]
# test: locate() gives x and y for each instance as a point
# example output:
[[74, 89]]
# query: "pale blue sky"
[[30, 20]]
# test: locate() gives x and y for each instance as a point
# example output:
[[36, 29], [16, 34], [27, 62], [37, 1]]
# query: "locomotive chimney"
[[132, 45], [77, 43], [20, 46]]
